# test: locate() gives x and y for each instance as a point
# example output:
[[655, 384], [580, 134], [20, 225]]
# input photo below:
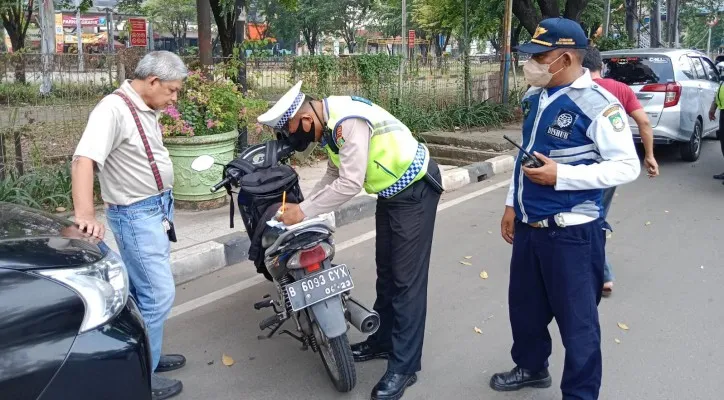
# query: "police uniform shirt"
[[585, 130], [340, 185]]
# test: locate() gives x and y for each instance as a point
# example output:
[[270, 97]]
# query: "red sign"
[[411, 39], [138, 32]]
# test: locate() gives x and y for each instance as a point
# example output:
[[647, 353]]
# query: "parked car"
[[68, 329], [676, 88]]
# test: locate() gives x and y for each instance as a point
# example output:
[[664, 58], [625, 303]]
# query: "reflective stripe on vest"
[[396, 159]]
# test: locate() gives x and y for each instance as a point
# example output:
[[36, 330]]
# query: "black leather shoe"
[[392, 386], [170, 362], [720, 176], [519, 378], [364, 352], [163, 388]]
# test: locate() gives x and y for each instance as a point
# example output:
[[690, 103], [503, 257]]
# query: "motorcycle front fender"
[[330, 316]]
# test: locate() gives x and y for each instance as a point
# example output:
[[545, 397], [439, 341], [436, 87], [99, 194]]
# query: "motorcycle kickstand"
[[305, 346]]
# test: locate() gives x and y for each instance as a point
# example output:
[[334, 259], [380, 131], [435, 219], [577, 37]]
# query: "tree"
[[173, 16], [315, 18], [16, 16], [226, 13], [354, 14], [281, 23], [529, 15]]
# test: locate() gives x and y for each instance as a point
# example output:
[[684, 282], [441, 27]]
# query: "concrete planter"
[[191, 188]]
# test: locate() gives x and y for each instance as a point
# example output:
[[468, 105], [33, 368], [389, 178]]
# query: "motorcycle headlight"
[[103, 286]]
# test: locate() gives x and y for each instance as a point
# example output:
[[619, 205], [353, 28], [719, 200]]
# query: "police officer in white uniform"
[[370, 149], [553, 213]]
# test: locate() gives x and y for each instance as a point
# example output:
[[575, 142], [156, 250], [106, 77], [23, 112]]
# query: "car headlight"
[[103, 286]]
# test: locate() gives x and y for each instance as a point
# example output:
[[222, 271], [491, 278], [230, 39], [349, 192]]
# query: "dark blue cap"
[[555, 33]]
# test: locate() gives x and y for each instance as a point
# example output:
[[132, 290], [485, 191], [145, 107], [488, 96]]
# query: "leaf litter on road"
[[478, 331], [465, 263], [468, 257], [623, 326], [484, 275], [227, 360], [648, 223], [617, 341]]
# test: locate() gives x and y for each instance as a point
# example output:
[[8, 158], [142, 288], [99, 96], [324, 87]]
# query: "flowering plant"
[[205, 107]]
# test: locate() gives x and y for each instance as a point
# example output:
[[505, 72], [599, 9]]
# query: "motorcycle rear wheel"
[[337, 358]]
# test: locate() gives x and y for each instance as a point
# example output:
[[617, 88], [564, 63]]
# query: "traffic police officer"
[[553, 216], [718, 104], [371, 149]]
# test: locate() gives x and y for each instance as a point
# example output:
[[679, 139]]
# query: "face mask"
[[301, 139], [539, 75]]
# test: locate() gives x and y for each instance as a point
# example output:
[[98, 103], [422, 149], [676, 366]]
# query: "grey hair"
[[163, 64]]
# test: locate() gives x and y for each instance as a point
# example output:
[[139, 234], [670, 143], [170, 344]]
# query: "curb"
[[204, 258]]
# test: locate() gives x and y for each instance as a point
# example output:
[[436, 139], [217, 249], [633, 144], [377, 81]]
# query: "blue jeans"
[[607, 200], [145, 249]]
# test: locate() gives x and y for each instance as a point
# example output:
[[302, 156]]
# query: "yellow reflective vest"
[[396, 159]]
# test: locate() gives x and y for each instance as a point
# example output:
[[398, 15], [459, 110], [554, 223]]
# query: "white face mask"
[[539, 75]]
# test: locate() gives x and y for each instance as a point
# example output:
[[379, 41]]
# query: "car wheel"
[[691, 150]]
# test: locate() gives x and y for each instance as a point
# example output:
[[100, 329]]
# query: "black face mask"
[[301, 139]]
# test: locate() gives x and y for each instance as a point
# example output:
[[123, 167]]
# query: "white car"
[[676, 88]]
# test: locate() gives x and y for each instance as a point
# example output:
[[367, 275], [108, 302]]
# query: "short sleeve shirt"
[[112, 140], [622, 92]]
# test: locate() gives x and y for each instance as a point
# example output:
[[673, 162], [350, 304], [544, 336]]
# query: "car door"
[[711, 88], [702, 83]]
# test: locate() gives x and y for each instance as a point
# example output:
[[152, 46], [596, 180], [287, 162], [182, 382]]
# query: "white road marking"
[[247, 283]]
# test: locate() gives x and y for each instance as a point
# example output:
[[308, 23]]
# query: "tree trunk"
[[549, 8], [226, 24], [574, 9], [656, 23], [631, 8], [527, 14]]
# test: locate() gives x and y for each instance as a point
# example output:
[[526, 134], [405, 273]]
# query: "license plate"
[[319, 287]]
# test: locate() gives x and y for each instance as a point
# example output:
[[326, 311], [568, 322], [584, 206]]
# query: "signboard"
[[69, 21], [411, 39], [138, 32], [59, 34]]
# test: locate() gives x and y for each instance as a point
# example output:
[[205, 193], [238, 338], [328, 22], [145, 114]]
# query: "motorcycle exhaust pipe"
[[360, 317]]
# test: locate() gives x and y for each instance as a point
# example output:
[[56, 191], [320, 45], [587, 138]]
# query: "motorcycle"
[[311, 291]]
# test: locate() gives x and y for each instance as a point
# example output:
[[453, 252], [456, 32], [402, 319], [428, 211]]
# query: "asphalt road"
[[665, 249]]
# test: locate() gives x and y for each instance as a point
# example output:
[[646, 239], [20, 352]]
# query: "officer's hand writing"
[[292, 214], [545, 175], [507, 225]]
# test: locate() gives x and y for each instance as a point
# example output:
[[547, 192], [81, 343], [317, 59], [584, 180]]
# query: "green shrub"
[[452, 117], [45, 188]]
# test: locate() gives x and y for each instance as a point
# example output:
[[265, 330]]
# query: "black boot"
[[163, 388], [364, 352], [720, 176], [519, 378], [392, 386]]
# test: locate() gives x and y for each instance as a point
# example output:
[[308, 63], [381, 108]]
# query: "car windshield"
[[639, 70]]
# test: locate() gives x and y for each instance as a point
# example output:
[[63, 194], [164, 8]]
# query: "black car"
[[68, 328]]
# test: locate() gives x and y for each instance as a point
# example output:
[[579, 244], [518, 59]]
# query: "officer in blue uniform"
[[553, 216]]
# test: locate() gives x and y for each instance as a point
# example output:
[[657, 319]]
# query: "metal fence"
[[38, 130]]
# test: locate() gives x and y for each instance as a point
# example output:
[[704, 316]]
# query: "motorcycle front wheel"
[[337, 358]]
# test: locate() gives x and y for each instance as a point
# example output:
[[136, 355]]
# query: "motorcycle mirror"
[[203, 163]]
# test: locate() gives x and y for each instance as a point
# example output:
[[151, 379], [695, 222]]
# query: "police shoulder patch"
[[361, 100], [611, 109], [338, 138]]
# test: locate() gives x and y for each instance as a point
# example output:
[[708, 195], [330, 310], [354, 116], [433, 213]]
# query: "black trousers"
[[405, 225], [721, 130]]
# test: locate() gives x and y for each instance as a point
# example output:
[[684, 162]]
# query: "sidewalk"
[[206, 243]]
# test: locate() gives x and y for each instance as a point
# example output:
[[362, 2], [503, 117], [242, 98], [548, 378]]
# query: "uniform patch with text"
[[338, 138], [615, 117], [563, 125]]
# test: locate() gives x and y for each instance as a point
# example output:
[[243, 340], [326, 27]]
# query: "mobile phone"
[[528, 160]]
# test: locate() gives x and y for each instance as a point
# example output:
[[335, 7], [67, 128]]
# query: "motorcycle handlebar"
[[221, 184]]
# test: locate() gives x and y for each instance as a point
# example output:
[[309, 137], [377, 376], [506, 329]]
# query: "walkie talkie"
[[528, 160]]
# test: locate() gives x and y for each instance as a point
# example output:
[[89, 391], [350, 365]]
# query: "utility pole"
[[47, 44], [203, 14], [508, 23], [403, 37], [79, 35], [606, 17], [243, 139], [656, 24]]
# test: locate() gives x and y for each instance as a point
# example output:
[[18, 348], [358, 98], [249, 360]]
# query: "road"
[[666, 253]]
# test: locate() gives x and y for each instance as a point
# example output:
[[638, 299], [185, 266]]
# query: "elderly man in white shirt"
[[123, 143]]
